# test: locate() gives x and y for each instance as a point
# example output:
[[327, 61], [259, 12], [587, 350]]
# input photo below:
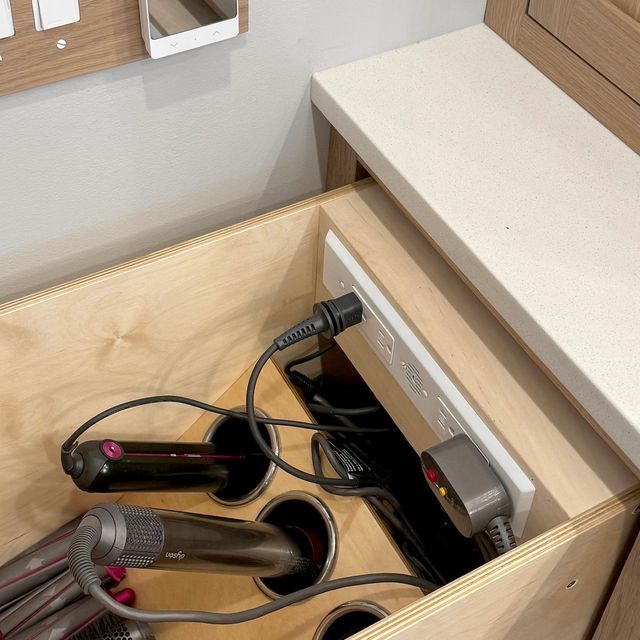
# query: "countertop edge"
[[594, 405]]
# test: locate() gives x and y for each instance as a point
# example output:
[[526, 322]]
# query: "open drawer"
[[191, 319]]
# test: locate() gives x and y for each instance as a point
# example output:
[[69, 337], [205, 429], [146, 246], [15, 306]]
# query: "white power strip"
[[430, 389]]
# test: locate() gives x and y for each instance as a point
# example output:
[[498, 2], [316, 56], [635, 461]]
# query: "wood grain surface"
[[630, 7], [343, 165], [602, 98], [108, 35], [551, 588], [621, 619], [599, 32], [186, 320]]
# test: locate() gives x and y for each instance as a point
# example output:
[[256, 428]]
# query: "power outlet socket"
[[375, 331], [429, 388]]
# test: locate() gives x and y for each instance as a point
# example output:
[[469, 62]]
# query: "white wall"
[[105, 167]]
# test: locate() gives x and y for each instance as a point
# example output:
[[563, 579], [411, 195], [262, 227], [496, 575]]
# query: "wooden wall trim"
[[108, 35], [505, 16], [343, 164], [608, 104]]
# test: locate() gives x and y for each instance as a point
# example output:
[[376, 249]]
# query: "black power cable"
[[69, 443], [343, 411], [238, 617], [375, 495], [264, 446], [486, 547], [316, 402], [288, 369], [330, 317]]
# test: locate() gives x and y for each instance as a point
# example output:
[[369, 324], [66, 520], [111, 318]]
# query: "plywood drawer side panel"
[[180, 321], [524, 594]]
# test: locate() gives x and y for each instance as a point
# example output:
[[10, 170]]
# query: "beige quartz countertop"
[[535, 202]]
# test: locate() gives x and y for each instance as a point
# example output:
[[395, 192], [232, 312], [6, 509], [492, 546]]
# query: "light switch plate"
[[6, 20], [50, 14]]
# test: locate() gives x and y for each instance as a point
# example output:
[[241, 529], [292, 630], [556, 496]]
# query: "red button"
[[432, 476], [112, 449]]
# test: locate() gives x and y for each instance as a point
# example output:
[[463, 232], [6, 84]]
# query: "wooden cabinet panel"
[[630, 7], [609, 104], [603, 34], [621, 619], [183, 321], [551, 588], [179, 320]]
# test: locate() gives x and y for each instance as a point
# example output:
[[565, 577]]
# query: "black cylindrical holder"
[[309, 516], [252, 474], [348, 619]]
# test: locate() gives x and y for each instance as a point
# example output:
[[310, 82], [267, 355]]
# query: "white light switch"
[[49, 14], [6, 20]]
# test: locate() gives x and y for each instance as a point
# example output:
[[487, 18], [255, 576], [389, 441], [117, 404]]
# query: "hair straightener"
[[111, 465]]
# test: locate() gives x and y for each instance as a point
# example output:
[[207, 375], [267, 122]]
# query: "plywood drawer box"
[[191, 319]]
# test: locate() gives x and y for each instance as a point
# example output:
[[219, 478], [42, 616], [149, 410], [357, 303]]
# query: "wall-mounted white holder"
[[49, 14], [6, 20], [174, 26]]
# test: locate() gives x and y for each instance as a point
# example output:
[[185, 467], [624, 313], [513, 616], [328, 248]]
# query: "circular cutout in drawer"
[[309, 520], [253, 473], [348, 619]]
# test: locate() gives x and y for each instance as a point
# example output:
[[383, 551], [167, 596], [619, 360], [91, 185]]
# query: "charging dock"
[[234, 435], [348, 619], [312, 523]]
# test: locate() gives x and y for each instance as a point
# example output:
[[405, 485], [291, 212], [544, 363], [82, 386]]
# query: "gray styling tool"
[[111, 627], [72, 619], [41, 562], [46, 600]]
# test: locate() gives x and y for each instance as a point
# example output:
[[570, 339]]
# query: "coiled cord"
[[501, 535], [82, 543]]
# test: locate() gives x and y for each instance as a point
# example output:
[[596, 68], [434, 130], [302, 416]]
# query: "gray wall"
[[106, 167]]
